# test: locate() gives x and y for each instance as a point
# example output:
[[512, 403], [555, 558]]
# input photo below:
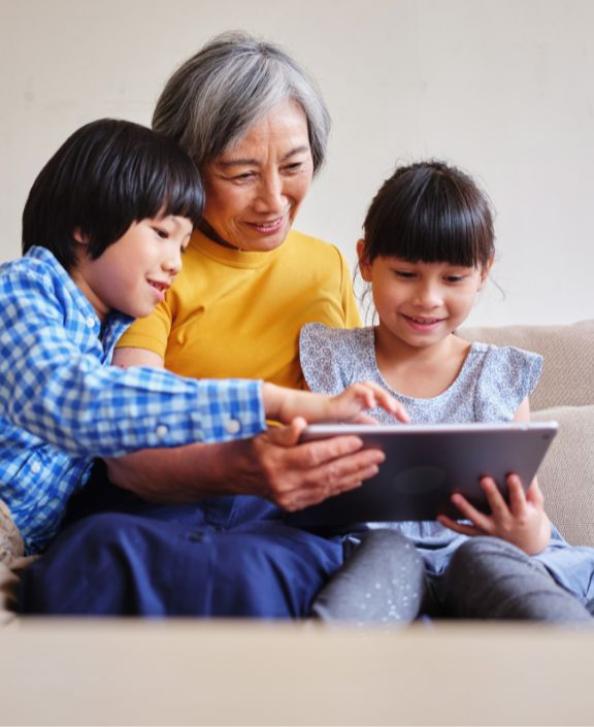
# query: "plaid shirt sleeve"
[[69, 399]]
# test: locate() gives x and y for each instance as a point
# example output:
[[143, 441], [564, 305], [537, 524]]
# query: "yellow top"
[[238, 314]]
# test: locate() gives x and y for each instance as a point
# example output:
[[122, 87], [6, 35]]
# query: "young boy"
[[104, 227]]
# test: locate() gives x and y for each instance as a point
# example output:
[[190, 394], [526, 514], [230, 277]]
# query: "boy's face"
[[133, 274]]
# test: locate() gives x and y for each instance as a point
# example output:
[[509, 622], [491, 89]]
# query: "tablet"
[[425, 464]]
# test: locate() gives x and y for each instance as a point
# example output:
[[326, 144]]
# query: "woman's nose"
[[270, 194]]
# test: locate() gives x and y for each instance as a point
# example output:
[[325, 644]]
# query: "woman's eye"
[[293, 168], [455, 278], [244, 177], [163, 234]]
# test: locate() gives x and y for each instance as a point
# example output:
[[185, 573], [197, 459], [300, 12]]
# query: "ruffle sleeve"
[[325, 356], [509, 375]]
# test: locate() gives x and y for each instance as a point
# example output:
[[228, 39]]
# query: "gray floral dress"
[[490, 386]]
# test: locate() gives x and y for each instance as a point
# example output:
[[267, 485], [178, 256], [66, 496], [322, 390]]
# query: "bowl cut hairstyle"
[[105, 176], [232, 82], [430, 212]]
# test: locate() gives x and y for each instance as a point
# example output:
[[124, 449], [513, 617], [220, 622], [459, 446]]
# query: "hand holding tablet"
[[426, 464]]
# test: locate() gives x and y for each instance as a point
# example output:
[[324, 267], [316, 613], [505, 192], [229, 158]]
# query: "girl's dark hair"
[[430, 212], [104, 177]]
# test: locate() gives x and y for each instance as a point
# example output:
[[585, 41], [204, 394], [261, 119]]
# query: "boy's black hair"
[[107, 175], [430, 212]]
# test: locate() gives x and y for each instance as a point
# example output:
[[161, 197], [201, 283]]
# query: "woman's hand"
[[349, 406], [274, 465], [523, 522], [295, 475]]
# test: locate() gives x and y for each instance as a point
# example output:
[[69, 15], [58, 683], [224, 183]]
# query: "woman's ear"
[[364, 264]]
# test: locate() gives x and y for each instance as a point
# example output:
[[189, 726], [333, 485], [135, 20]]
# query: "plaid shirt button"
[[232, 426], [161, 431]]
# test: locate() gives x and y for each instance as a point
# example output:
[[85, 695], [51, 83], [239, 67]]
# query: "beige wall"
[[504, 88]]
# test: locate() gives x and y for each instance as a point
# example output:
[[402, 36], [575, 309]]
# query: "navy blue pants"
[[228, 557]]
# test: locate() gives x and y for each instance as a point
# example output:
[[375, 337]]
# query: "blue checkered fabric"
[[61, 403]]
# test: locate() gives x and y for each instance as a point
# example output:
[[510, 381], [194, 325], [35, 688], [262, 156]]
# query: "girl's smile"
[[422, 325], [420, 304]]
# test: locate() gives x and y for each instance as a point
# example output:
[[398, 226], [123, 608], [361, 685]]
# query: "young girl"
[[427, 252], [104, 227]]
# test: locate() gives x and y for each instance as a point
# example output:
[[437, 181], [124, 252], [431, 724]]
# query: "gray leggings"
[[382, 581], [385, 581]]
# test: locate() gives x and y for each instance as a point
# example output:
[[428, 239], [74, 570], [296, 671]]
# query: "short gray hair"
[[234, 80]]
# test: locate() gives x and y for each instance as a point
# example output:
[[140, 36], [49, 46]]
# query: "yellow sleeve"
[[151, 332], [352, 317]]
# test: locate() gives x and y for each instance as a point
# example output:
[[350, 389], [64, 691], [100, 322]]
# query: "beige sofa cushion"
[[565, 393], [568, 350], [9, 580], [567, 474]]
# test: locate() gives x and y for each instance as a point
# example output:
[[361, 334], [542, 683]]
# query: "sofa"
[[565, 394], [184, 672]]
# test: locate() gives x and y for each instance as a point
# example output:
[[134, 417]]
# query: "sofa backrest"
[[565, 394], [568, 351]]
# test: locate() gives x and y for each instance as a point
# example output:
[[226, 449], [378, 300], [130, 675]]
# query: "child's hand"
[[349, 406], [523, 522]]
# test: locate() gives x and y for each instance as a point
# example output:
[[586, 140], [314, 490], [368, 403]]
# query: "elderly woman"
[[257, 128]]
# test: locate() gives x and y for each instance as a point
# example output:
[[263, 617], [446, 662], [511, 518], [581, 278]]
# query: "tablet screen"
[[425, 464]]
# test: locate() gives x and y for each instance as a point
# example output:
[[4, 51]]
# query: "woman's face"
[[254, 188]]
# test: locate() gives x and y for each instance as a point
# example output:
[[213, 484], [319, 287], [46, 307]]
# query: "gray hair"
[[234, 80]]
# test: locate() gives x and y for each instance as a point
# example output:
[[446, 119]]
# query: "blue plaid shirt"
[[61, 404]]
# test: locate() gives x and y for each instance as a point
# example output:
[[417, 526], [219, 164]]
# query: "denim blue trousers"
[[230, 556]]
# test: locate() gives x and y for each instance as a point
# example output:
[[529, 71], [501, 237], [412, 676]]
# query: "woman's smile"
[[270, 227]]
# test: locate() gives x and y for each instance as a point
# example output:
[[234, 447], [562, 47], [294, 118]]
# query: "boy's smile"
[[134, 273], [160, 287]]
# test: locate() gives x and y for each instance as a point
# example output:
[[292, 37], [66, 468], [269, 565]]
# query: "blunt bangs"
[[106, 176], [430, 212], [151, 185]]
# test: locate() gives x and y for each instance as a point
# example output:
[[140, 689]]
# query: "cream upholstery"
[[566, 394]]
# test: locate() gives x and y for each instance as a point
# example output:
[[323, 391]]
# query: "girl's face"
[[421, 303], [254, 188]]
